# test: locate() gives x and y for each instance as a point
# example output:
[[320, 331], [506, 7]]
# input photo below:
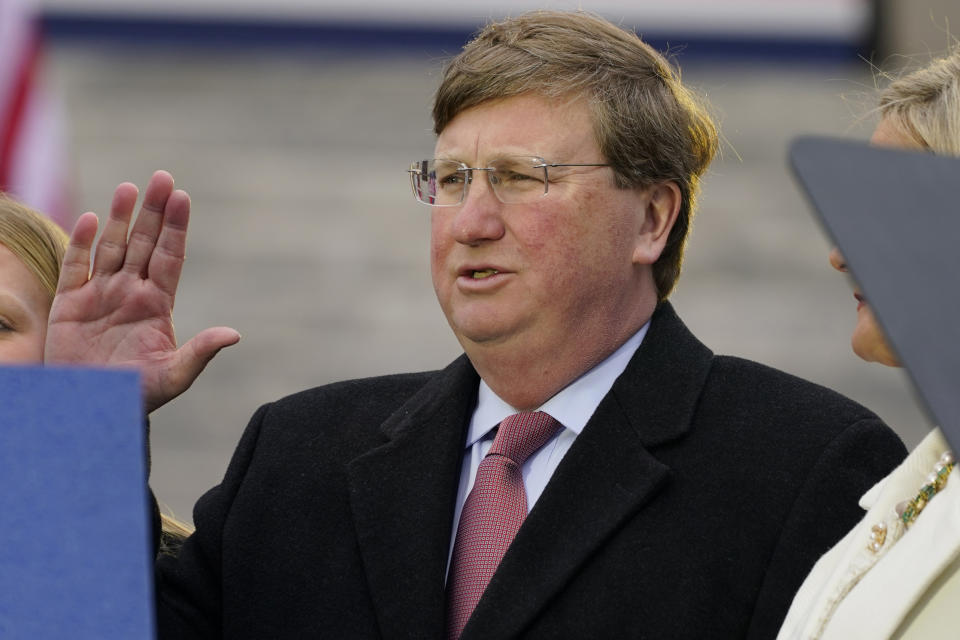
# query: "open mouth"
[[483, 273]]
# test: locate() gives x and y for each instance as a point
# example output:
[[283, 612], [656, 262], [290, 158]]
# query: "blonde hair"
[[35, 240], [925, 104], [649, 127], [173, 533]]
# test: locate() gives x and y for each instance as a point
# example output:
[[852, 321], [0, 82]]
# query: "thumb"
[[190, 360], [201, 349]]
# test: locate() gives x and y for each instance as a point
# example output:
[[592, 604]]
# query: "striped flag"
[[32, 156]]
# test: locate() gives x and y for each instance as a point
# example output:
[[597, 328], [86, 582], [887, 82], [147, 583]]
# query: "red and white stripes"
[[31, 126]]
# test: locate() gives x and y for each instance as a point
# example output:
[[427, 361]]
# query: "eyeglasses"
[[514, 179]]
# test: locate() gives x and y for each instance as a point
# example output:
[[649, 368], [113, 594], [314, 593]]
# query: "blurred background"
[[261, 111]]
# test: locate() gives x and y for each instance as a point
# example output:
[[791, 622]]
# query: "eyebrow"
[[495, 158], [13, 309]]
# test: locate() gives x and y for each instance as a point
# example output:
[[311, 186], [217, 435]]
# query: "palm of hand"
[[123, 322], [121, 315]]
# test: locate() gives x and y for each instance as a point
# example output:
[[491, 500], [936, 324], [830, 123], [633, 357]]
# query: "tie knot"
[[521, 434]]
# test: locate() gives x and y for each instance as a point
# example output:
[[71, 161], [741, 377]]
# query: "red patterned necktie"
[[492, 513]]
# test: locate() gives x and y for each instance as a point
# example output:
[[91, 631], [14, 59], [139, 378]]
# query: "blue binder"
[[75, 555]]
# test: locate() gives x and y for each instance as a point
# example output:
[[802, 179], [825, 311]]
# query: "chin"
[[473, 330], [872, 348], [868, 340], [479, 336], [483, 324]]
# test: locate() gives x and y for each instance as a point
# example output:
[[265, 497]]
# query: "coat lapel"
[[402, 496], [607, 477]]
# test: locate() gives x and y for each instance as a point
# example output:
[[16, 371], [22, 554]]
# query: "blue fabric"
[[76, 557]]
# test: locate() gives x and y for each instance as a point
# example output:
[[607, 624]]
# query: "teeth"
[[486, 273]]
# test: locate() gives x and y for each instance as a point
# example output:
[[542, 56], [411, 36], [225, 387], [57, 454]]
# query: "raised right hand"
[[120, 313]]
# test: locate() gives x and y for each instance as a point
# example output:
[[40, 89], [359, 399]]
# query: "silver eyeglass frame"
[[418, 166]]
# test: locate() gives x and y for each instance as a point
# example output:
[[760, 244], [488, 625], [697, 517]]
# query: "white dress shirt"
[[572, 407]]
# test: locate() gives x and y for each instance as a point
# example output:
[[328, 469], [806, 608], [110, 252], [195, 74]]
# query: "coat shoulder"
[[804, 426], [356, 407], [386, 390], [761, 390]]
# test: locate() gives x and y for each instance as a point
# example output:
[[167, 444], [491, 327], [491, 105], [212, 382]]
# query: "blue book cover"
[[75, 554]]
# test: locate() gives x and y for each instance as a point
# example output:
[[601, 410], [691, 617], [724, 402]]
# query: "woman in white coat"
[[895, 575]]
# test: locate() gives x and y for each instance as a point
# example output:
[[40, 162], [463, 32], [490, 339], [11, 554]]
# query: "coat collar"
[[402, 496], [403, 492], [659, 390], [851, 579], [906, 577]]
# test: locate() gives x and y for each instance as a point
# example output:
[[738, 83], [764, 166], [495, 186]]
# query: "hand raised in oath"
[[120, 312]]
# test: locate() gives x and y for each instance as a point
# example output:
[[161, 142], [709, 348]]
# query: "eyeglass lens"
[[514, 180]]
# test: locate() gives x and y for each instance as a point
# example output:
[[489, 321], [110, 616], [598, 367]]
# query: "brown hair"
[[36, 241], [649, 127], [925, 104]]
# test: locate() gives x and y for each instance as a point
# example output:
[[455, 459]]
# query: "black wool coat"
[[692, 505]]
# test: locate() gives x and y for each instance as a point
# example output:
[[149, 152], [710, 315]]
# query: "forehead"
[[558, 129]]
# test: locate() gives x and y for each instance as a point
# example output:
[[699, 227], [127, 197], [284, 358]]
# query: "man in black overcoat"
[[678, 494]]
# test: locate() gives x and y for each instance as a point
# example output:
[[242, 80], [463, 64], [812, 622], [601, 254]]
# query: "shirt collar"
[[572, 406]]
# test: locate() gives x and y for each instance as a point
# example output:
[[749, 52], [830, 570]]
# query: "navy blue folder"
[[75, 554], [895, 216]]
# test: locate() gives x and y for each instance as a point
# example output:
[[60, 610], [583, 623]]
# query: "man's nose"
[[479, 216]]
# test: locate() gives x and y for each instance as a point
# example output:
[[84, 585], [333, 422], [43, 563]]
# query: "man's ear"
[[660, 210]]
